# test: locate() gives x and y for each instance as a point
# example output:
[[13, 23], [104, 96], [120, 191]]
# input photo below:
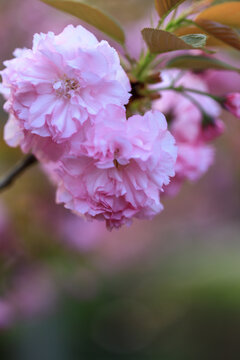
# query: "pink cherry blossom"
[[232, 104], [14, 135], [193, 160], [99, 140], [222, 82], [188, 124], [191, 130], [212, 130], [43, 148], [186, 116], [61, 83], [125, 179]]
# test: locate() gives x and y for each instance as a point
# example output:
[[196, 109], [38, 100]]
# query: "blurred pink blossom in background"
[[186, 122], [31, 293]]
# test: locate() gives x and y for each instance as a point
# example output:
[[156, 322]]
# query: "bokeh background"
[[166, 289]]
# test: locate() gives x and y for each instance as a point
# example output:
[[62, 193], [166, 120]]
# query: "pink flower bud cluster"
[[66, 100]]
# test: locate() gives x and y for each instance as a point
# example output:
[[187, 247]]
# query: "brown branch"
[[16, 171]]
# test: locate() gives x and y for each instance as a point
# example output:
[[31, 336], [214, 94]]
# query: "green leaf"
[[199, 63], [195, 40], [91, 15], [160, 41]]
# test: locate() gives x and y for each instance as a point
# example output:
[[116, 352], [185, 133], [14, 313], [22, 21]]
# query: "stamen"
[[65, 87], [116, 163]]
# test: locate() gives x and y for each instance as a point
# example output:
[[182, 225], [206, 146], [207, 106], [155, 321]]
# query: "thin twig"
[[16, 171], [182, 89]]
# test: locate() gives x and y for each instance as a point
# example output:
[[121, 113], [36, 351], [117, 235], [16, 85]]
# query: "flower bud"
[[232, 104]]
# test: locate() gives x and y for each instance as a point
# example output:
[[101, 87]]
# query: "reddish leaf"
[[227, 13], [91, 15], [163, 7], [221, 32], [160, 41]]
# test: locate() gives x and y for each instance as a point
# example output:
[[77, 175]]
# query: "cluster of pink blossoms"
[[192, 131], [66, 101]]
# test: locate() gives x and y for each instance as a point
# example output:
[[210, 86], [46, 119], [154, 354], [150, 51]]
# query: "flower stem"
[[16, 171], [214, 97], [182, 89], [144, 64]]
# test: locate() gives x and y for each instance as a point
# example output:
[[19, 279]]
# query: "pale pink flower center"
[[66, 87]]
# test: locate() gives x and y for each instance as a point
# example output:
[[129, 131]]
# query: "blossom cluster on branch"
[[194, 122], [113, 138], [66, 103]]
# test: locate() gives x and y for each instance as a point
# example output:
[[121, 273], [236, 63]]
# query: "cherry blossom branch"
[[144, 64], [149, 57], [16, 171], [182, 89], [185, 92], [214, 97]]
